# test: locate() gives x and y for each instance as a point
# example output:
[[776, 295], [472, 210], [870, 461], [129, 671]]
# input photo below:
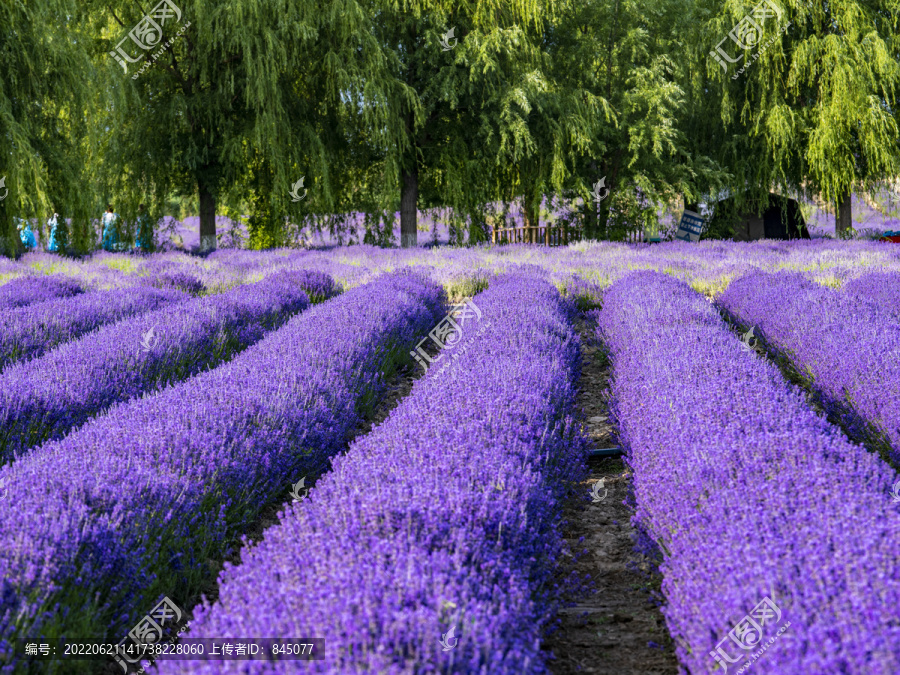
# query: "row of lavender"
[[28, 290], [879, 288], [845, 343], [30, 331], [94, 528], [46, 397], [431, 545], [766, 563]]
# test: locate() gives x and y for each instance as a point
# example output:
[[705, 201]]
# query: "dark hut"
[[781, 219]]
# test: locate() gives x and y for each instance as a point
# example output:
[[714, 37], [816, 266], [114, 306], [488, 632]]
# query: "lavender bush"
[[847, 348], [28, 290], [28, 332], [44, 398], [181, 281], [878, 288], [133, 504], [445, 517], [749, 494], [318, 285]]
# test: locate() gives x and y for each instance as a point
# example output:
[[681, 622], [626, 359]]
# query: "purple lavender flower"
[[846, 346], [132, 504], [27, 332], [880, 288], [44, 398], [180, 281], [747, 491], [431, 544], [33, 289]]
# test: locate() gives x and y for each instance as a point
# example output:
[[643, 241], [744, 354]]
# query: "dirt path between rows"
[[617, 629]]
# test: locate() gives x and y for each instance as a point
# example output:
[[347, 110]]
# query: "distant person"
[[110, 229], [144, 242], [52, 224], [26, 235]]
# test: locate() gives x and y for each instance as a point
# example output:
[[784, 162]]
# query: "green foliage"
[[47, 119], [531, 99], [816, 111]]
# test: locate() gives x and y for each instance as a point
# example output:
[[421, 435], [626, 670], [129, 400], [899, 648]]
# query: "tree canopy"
[[293, 111]]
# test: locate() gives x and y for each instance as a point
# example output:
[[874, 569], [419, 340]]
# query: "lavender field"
[[594, 458]]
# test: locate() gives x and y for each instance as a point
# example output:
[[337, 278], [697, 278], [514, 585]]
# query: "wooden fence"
[[548, 235]]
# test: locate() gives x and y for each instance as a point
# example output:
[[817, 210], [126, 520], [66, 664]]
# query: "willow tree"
[[809, 95], [455, 66], [219, 95], [621, 63], [47, 98]]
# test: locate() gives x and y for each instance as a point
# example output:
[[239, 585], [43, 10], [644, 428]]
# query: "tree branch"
[[118, 20]]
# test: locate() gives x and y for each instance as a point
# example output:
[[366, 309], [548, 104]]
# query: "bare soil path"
[[617, 629]]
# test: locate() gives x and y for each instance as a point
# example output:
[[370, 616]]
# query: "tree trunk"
[[843, 217], [409, 198], [531, 219], [590, 219], [602, 220], [207, 220]]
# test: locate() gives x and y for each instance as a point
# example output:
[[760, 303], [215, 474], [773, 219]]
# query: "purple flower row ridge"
[[849, 348], [778, 536], [881, 288], [431, 546], [33, 289], [46, 397], [134, 504], [28, 332]]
